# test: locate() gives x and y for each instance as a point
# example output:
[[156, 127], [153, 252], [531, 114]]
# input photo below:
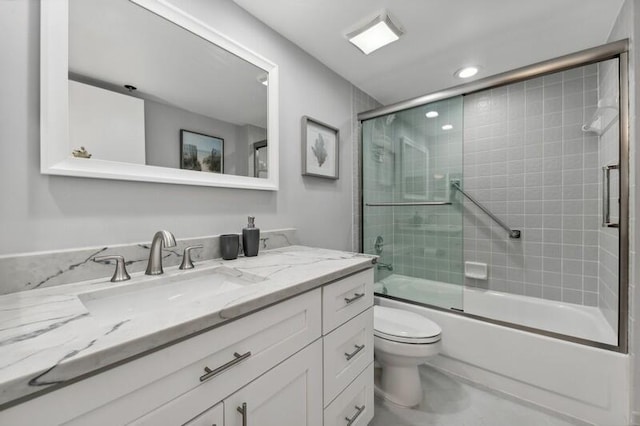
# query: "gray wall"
[[41, 212], [162, 135], [361, 102]]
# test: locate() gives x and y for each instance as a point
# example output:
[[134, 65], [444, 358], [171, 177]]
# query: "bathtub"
[[585, 322], [584, 382]]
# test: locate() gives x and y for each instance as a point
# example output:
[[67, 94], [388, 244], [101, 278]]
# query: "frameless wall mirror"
[[139, 90]]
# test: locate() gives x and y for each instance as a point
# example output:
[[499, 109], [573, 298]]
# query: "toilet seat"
[[404, 327]]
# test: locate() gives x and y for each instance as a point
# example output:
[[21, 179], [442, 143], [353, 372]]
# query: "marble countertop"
[[48, 337]]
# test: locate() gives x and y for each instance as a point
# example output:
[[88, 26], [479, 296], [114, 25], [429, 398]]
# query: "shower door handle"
[[606, 196]]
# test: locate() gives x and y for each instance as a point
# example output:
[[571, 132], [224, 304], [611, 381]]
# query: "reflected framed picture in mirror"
[[319, 149], [200, 152]]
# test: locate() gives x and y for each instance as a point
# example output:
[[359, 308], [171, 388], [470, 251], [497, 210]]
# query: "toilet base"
[[399, 385]]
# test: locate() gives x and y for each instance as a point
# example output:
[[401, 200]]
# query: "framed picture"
[[201, 152], [320, 148]]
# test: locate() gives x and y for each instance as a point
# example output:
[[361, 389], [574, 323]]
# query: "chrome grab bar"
[[606, 196], [416, 203], [513, 233]]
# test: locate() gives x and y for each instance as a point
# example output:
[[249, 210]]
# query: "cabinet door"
[[288, 395], [214, 416]]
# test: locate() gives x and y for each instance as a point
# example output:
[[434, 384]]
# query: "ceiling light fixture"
[[466, 72], [376, 34], [432, 114], [447, 127]]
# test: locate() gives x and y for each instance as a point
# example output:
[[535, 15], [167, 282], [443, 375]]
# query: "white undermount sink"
[[165, 293]]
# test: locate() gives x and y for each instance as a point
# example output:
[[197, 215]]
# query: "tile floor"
[[449, 401]]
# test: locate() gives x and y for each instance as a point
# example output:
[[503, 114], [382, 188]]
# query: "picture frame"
[[320, 149], [201, 152]]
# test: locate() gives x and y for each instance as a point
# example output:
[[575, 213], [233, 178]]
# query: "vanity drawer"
[[127, 392], [344, 299], [347, 351], [354, 406]]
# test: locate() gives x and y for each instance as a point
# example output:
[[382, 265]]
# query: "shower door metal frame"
[[615, 50]]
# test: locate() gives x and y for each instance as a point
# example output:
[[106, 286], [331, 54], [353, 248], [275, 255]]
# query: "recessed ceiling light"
[[376, 34], [466, 72], [447, 127], [432, 114]]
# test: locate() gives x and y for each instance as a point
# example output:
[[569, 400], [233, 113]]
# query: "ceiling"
[[440, 37]]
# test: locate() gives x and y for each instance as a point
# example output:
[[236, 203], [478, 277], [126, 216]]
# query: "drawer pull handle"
[[354, 353], [355, 297], [243, 410], [355, 416], [210, 373]]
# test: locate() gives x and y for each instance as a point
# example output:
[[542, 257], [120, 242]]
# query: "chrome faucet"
[[387, 266], [166, 238]]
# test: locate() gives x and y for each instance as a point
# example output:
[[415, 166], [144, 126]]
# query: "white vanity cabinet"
[[272, 367]]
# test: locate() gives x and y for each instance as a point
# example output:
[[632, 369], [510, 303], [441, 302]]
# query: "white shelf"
[[603, 117]]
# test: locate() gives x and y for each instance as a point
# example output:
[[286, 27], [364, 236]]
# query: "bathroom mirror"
[[139, 90]]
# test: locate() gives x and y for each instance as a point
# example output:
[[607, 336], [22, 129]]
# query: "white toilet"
[[402, 341]]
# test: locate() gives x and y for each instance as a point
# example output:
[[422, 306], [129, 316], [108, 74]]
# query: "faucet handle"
[[264, 242], [120, 273], [186, 257]]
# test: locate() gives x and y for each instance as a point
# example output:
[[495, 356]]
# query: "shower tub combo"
[[519, 174]]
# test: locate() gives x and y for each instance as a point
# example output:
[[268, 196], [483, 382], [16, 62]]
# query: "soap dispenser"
[[251, 238]]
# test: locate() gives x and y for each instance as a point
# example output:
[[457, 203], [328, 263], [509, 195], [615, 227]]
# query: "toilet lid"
[[403, 326]]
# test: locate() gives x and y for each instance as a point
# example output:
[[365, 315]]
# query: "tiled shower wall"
[[428, 239], [528, 160], [377, 186], [409, 158]]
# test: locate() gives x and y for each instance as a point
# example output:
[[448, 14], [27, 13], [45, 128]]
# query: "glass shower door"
[[410, 217]]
